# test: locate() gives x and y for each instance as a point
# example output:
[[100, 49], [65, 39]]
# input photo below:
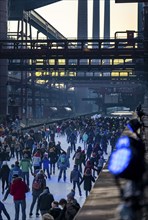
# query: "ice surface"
[[58, 189]]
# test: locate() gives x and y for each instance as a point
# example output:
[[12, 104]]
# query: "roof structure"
[[16, 7]]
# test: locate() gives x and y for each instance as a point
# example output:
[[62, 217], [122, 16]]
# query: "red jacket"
[[18, 189]]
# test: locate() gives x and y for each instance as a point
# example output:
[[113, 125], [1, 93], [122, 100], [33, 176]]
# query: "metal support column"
[[96, 19], [107, 19], [33, 95], [145, 18], [3, 62], [82, 19], [140, 17], [82, 34]]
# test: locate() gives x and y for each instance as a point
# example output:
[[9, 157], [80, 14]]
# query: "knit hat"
[[47, 216], [15, 176], [71, 194], [75, 166], [17, 163], [62, 201]]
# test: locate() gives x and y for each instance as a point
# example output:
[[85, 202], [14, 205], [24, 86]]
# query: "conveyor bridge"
[[76, 56]]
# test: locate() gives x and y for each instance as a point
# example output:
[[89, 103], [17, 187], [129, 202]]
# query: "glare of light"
[[68, 109], [122, 113], [123, 142], [119, 160], [54, 108], [71, 89]]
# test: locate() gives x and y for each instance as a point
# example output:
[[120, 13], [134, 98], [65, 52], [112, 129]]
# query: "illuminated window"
[[51, 62], [115, 74], [38, 73], [118, 61], [54, 73], [61, 62], [72, 73], [62, 74], [123, 73]]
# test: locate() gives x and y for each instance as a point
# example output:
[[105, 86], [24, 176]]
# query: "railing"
[[71, 49], [43, 26]]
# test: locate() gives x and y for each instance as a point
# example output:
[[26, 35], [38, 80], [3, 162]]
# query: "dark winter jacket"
[[75, 175], [53, 155], [78, 157], [62, 215], [72, 209], [89, 150], [55, 212], [4, 172], [72, 138], [45, 199], [87, 179]]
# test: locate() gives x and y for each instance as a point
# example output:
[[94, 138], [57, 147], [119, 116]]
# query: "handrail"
[[36, 19], [75, 44], [74, 49]]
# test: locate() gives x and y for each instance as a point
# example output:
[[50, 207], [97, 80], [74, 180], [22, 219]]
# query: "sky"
[[63, 16]]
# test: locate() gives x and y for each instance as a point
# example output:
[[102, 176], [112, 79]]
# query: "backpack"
[[63, 160], [78, 155], [37, 184]]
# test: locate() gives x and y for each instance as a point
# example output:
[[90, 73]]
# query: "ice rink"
[[58, 189]]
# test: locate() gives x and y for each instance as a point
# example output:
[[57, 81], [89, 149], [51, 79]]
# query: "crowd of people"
[[36, 153]]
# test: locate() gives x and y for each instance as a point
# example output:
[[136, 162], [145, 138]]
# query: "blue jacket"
[[72, 138], [13, 171], [45, 163], [75, 175]]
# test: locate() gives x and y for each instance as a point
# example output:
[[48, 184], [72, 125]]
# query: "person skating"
[[63, 164], [4, 174], [18, 189], [4, 211], [75, 177], [38, 185], [87, 179], [44, 201]]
